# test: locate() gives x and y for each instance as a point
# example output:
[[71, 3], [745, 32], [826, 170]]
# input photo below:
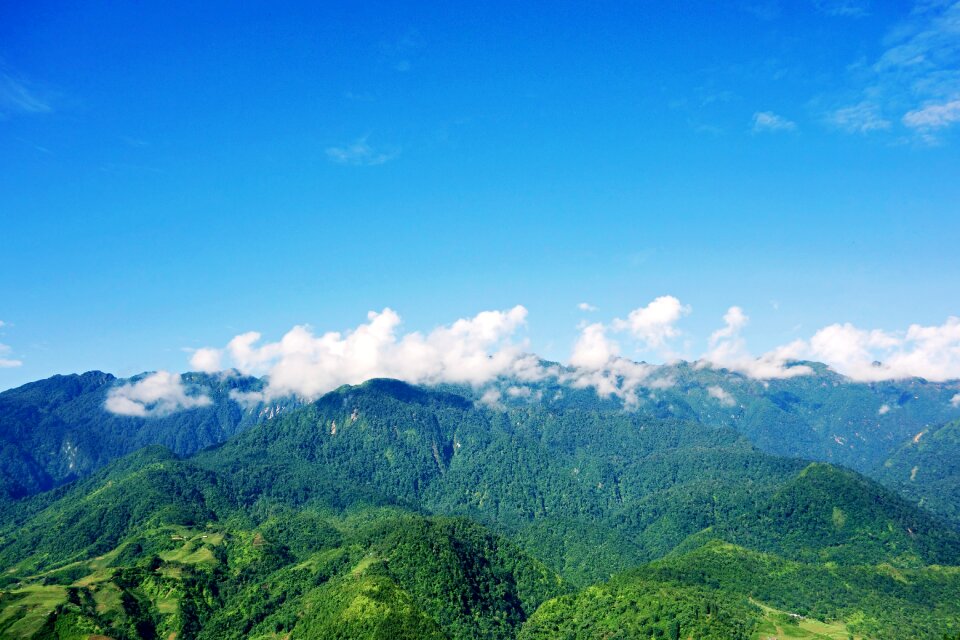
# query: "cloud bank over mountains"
[[479, 350], [470, 351]]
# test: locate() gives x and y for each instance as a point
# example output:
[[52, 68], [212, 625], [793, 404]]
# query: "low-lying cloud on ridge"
[[158, 394], [477, 351]]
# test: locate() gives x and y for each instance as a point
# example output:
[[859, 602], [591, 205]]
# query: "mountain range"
[[717, 506]]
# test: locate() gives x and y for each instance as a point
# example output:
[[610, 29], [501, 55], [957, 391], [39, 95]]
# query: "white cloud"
[[617, 377], [491, 398], [158, 394], [883, 410], [859, 118], [481, 349], [206, 360], [768, 121], [654, 324], [722, 396], [596, 357], [734, 320], [933, 116], [7, 363], [593, 350], [955, 400], [869, 355], [596, 363], [728, 350], [583, 306], [860, 354], [360, 153], [472, 351]]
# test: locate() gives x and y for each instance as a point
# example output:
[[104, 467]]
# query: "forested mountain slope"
[[590, 493], [58, 429], [385, 510], [926, 469], [823, 416]]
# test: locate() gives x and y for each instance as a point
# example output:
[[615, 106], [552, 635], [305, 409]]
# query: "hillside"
[[151, 547], [926, 470], [631, 488], [875, 600], [589, 493], [852, 519], [823, 416], [385, 510], [55, 430]]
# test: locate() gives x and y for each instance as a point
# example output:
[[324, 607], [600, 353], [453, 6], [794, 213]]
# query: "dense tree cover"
[[879, 601], [824, 416], [640, 485], [853, 519], [55, 430], [149, 487], [927, 470], [589, 492], [388, 511], [371, 573], [623, 609]]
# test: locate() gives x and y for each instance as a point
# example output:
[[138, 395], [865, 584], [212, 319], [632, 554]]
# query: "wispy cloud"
[[655, 325], [933, 116], [583, 306], [768, 121], [360, 153], [859, 118], [17, 96], [845, 8], [401, 51], [728, 350], [5, 362], [914, 81], [722, 396], [766, 10]]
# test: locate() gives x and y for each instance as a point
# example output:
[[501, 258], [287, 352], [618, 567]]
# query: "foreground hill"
[[726, 592], [154, 546], [852, 519], [875, 600]]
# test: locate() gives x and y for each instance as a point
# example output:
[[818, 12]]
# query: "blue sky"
[[174, 174]]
